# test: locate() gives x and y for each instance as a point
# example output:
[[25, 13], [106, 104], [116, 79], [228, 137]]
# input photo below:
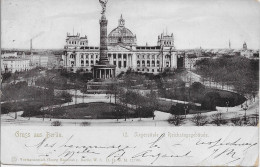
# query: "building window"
[[91, 56], [148, 56], [86, 56], [153, 63], [138, 63], [87, 62], [143, 56], [138, 56], [148, 63], [153, 56], [91, 62], [114, 56], [158, 63], [143, 63], [124, 56], [152, 70], [82, 56], [96, 56]]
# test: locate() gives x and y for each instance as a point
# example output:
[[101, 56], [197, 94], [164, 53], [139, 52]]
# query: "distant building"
[[246, 52], [9, 55], [15, 65], [191, 57], [37, 60], [244, 46]]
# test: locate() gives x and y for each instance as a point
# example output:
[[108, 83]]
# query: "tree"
[[179, 109], [218, 119], [153, 101], [176, 120], [199, 120], [210, 100]]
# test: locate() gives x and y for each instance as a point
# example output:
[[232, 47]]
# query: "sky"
[[194, 23]]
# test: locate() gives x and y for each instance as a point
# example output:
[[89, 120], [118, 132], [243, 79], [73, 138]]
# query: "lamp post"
[[186, 107], [227, 103], [245, 107]]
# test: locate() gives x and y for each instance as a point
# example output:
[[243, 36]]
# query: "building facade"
[[15, 65], [123, 52]]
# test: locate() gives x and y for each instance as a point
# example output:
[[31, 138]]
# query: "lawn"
[[97, 110]]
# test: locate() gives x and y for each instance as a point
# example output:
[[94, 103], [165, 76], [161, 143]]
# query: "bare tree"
[[218, 119], [199, 120], [176, 120]]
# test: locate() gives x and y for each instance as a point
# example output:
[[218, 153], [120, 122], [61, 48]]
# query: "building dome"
[[121, 35]]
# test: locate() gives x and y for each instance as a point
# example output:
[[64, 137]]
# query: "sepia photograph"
[[134, 64]]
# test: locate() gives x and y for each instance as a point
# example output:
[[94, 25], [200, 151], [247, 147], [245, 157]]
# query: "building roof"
[[121, 31], [121, 34]]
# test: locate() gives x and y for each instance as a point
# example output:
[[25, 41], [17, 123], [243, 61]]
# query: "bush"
[[218, 119], [237, 121], [145, 112], [176, 120], [85, 123], [179, 109], [6, 109], [209, 101], [32, 110], [199, 120], [197, 87], [66, 96], [56, 123]]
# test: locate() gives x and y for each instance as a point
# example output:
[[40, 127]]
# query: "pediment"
[[119, 48]]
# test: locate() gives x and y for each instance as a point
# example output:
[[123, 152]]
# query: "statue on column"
[[103, 4]]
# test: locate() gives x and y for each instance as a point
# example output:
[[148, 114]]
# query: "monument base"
[[104, 71]]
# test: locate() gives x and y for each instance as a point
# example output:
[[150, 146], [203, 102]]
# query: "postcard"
[[130, 82]]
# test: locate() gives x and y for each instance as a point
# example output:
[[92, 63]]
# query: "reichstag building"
[[123, 52]]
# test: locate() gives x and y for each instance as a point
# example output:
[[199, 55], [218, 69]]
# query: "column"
[[151, 62], [89, 60], [112, 59], [84, 60], [78, 58], [109, 73], [75, 60], [127, 60], [155, 60], [163, 62], [134, 61], [145, 60], [99, 73], [105, 73], [117, 60], [94, 57], [122, 60]]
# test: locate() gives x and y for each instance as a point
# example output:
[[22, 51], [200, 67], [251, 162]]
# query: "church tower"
[[244, 46]]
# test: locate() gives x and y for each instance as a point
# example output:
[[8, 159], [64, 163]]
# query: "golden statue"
[[103, 5]]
